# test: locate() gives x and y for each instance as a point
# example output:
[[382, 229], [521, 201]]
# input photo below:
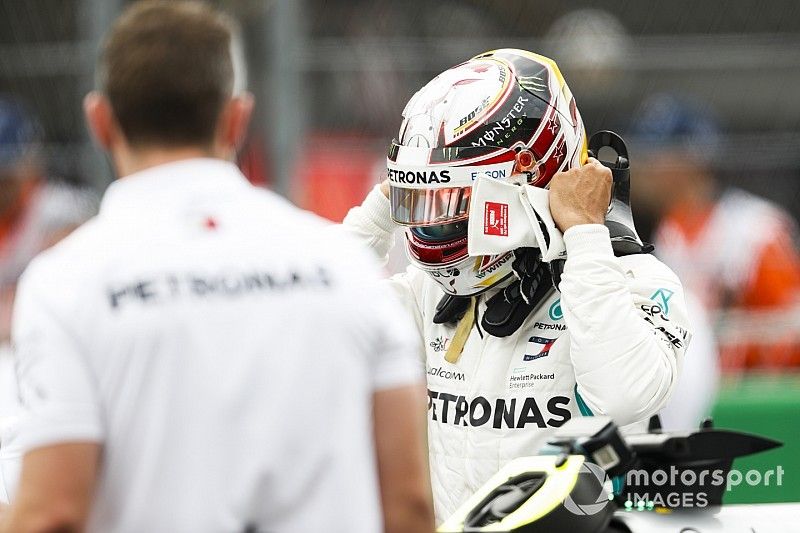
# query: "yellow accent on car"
[[557, 487]]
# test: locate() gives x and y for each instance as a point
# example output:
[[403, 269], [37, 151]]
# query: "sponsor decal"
[[654, 311], [472, 114], [673, 339], [491, 267], [545, 343], [501, 413], [170, 287], [533, 83], [502, 75], [447, 273], [530, 377], [439, 344], [662, 297], [491, 173], [495, 219], [412, 177], [501, 130], [555, 311], [440, 372], [527, 381], [487, 105], [547, 326]]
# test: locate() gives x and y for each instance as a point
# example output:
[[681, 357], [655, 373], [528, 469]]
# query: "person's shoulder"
[[69, 259], [65, 203], [282, 210], [753, 220], [311, 236], [648, 267], [744, 206]]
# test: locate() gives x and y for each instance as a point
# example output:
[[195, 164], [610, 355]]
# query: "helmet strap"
[[450, 309], [507, 310]]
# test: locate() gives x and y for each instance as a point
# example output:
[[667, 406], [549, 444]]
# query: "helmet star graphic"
[[558, 154], [552, 124]]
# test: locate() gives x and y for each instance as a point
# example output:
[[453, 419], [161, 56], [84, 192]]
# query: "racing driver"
[[516, 347]]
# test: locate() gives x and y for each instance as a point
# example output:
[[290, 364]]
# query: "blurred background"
[[706, 93]]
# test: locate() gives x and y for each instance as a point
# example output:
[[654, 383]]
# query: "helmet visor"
[[432, 186], [429, 207]]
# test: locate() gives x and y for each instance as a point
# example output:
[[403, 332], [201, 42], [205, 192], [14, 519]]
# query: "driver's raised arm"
[[626, 316]]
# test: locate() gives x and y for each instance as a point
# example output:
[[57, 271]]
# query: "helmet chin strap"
[[507, 310]]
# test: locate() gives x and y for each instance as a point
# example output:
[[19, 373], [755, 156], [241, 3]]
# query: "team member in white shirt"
[[201, 356]]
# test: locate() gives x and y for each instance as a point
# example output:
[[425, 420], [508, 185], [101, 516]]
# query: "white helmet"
[[502, 113]]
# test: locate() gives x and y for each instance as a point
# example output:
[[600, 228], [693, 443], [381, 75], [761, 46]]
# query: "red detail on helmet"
[[573, 111], [525, 160], [548, 133], [480, 67], [466, 81], [436, 253], [552, 163], [441, 140], [210, 223]]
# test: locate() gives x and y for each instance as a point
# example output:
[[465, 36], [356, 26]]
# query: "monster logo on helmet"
[[506, 113]]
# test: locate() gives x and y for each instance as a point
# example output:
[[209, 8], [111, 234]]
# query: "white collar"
[[170, 183]]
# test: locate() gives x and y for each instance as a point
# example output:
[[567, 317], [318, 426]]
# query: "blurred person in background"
[[594, 47], [202, 356], [35, 213], [734, 250]]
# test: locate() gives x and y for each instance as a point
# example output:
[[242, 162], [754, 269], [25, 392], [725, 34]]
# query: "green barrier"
[[768, 406]]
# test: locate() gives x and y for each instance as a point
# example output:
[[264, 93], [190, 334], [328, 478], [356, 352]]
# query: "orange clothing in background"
[[739, 255], [776, 279]]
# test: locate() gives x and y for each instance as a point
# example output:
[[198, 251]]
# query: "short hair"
[[168, 68]]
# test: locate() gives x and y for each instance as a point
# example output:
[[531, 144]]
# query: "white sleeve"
[[56, 386], [393, 342], [398, 345], [696, 390], [627, 326], [371, 223]]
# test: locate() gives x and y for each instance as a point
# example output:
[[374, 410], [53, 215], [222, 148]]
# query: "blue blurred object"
[[19, 132], [666, 121]]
